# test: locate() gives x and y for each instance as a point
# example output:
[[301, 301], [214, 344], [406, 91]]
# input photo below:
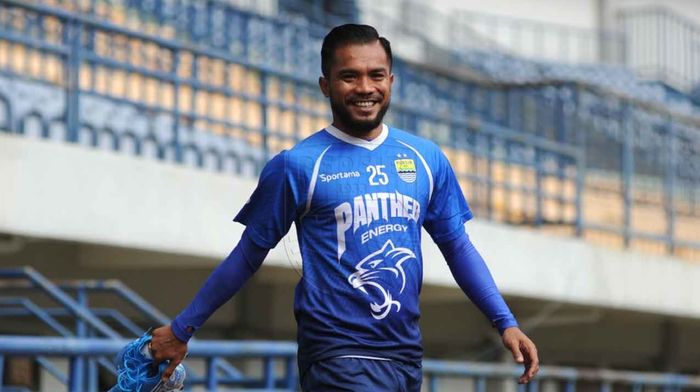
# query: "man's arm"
[[169, 343], [473, 277]]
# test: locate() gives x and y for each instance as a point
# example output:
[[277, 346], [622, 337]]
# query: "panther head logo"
[[370, 269]]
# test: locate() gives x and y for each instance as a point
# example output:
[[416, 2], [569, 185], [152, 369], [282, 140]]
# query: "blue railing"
[[132, 300], [212, 351], [550, 153], [85, 352], [89, 325], [499, 377], [482, 376]]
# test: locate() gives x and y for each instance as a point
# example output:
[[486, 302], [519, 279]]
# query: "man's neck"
[[371, 135]]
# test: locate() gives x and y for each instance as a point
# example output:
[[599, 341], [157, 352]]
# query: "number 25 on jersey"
[[377, 175]]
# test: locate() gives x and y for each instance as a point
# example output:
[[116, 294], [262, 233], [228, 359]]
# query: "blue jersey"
[[358, 207]]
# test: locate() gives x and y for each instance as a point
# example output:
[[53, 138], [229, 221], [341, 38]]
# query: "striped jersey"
[[358, 207]]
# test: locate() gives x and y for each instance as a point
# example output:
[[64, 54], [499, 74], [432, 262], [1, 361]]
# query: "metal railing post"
[[433, 383], [77, 372], [269, 373], [670, 186], [570, 386], [480, 384], [489, 176], [71, 38], [580, 162], [80, 325], [264, 115], [212, 376], [92, 375], [627, 171], [562, 129], [290, 379], [538, 188], [176, 105]]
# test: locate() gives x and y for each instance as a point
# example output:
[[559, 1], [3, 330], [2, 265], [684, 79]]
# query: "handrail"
[[122, 291], [210, 350], [30, 308], [605, 377], [113, 314], [82, 287], [72, 346], [433, 369], [31, 275], [134, 299], [28, 278]]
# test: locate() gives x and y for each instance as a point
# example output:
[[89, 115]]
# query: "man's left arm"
[[473, 277], [446, 215]]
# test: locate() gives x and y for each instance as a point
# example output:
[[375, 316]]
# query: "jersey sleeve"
[[448, 209], [275, 202]]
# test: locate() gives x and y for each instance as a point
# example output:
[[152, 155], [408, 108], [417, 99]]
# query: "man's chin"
[[369, 122], [364, 126]]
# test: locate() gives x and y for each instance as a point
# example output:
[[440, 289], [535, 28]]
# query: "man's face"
[[359, 87]]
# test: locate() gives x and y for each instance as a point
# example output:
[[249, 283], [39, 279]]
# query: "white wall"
[[687, 8], [564, 30], [576, 13], [71, 193], [579, 13]]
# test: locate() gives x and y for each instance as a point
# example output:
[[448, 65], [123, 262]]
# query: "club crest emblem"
[[406, 169], [371, 275]]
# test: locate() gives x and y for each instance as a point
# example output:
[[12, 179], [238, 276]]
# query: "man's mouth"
[[364, 104]]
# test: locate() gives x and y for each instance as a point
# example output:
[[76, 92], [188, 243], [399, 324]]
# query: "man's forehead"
[[365, 52]]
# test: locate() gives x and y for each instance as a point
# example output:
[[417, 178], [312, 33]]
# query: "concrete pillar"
[[668, 359]]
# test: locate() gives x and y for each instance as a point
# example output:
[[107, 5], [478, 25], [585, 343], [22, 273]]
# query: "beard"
[[357, 126]]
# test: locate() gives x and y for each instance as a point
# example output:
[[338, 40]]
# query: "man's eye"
[[348, 77], [379, 76]]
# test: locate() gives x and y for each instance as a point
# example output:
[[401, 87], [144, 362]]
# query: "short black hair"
[[349, 34]]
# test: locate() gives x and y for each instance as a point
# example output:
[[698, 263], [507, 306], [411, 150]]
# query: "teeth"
[[365, 104]]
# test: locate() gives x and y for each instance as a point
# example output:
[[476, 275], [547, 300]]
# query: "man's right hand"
[[166, 347]]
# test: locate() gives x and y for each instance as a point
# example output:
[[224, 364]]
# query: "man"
[[359, 193]]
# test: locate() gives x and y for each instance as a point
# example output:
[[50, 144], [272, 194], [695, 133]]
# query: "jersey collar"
[[368, 144]]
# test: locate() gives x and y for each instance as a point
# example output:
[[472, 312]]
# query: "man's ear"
[[323, 84]]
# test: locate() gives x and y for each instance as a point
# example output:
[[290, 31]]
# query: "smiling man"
[[359, 193], [357, 79]]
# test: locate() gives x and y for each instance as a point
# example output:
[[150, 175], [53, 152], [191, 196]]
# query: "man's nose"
[[364, 85]]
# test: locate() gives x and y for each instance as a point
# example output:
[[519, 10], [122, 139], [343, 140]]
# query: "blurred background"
[[131, 132]]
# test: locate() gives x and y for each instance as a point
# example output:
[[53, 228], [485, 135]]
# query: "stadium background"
[[133, 131]]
